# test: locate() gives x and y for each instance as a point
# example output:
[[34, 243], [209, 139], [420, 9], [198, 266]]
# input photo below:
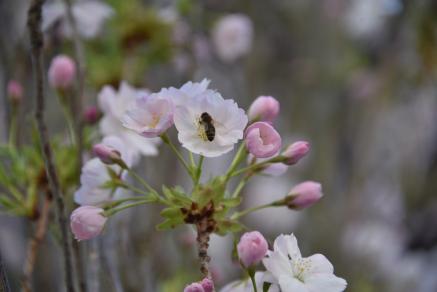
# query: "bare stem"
[[36, 39], [77, 106], [32, 248], [4, 285]]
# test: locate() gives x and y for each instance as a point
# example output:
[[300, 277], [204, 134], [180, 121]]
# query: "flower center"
[[300, 267], [155, 121]]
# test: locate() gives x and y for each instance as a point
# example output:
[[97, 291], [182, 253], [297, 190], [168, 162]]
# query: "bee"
[[206, 127]]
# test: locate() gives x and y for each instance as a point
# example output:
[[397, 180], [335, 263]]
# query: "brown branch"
[[4, 285], [32, 248], [36, 39]]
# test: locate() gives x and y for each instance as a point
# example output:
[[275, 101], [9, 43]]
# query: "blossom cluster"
[[135, 121]]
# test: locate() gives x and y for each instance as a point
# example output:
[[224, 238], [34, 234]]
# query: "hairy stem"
[[32, 248], [36, 39], [203, 244]]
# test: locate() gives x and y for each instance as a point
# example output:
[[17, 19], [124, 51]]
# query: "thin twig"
[[78, 108], [32, 249], [4, 285], [36, 39]]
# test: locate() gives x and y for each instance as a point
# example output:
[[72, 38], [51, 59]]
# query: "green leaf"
[[169, 224], [172, 213]]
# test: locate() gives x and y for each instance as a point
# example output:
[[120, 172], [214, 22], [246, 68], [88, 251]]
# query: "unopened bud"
[[15, 91], [108, 155], [304, 195], [296, 152], [91, 115]]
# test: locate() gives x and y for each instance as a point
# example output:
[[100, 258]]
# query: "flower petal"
[[290, 284], [325, 282], [319, 264]]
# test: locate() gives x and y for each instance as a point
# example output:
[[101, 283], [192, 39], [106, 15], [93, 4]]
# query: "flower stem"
[[241, 154], [257, 166], [115, 210], [68, 117], [251, 273], [198, 171], [13, 127], [238, 215], [167, 141], [141, 181], [240, 186]]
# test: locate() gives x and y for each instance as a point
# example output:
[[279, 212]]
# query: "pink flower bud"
[[262, 140], [91, 115], [207, 285], [252, 248], [264, 108], [87, 222], [106, 154], [304, 195], [62, 72], [295, 152], [194, 287], [15, 91]]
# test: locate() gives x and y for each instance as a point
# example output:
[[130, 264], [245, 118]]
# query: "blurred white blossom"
[[232, 36], [114, 105], [89, 16]]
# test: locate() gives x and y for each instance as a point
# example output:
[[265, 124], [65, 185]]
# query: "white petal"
[[319, 264], [290, 284], [287, 245], [106, 98], [278, 264], [325, 282], [51, 12]]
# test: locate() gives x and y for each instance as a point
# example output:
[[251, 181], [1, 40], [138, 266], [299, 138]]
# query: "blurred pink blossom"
[[87, 222], [62, 72]]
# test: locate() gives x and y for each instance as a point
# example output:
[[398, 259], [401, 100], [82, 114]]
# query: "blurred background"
[[356, 78]]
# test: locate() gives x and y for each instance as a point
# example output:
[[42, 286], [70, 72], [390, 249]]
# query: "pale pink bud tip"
[[91, 115], [252, 248], [207, 285], [264, 108], [62, 72], [15, 91], [87, 222], [262, 140], [296, 152], [194, 287], [106, 154], [304, 195]]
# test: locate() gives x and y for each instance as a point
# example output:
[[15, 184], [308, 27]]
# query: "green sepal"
[[225, 226], [176, 196]]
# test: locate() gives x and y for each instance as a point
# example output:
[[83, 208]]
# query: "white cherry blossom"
[[207, 124], [295, 273]]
